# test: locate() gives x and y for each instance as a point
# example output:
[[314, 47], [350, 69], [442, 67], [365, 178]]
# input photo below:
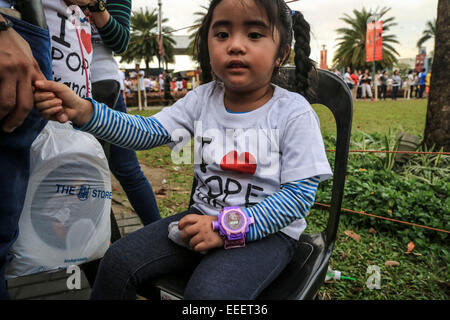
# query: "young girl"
[[259, 156]]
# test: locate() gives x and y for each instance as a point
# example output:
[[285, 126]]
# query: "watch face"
[[234, 220]]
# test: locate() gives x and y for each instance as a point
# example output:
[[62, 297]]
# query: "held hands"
[[18, 70], [56, 101], [197, 229]]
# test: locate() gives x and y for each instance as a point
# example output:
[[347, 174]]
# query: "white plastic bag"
[[66, 216]]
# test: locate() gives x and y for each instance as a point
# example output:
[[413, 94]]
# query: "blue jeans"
[[394, 92], [125, 167], [15, 152], [240, 273]]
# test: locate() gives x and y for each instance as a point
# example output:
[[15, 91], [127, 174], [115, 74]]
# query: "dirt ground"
[[120, 203]]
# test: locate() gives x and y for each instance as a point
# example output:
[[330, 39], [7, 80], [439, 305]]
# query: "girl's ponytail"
[[304, 65]]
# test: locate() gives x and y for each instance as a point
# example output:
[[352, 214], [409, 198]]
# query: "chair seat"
[[287, 286]]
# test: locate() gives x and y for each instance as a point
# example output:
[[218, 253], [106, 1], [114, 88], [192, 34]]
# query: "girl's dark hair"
[[290, 25]]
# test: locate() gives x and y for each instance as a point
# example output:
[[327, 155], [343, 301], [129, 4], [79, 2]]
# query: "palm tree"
[[193, 30], [428, 33], [351, 50], [144, 39]]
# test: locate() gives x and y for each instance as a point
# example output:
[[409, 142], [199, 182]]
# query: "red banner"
[[377, 42], [420, 62]]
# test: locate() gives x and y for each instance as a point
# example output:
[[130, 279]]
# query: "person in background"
[[366, 81], [396, 80], [422, 82], [416, 85], [121, 76], [161, 82], [427, 83], [384, 79], [409, 84], [138, 75], [147, 84], [128, 85], [359, 91], [348, 79], [167, 88], [111, 30], [355, 79], [377, 87]]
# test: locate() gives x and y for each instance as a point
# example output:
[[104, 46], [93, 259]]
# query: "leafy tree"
[[351, 50], [428, 33], [144, 39], [193, 30]]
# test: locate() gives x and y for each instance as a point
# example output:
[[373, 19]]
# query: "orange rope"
[[389, 219], [406, 152]]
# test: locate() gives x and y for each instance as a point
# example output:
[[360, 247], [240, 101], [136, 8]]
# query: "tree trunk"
[[437, 128]]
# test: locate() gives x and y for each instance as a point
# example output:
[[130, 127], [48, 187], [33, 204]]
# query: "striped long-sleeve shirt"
[[275, 212], [116, 33]]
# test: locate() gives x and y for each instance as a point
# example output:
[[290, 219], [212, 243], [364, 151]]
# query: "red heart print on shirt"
[[245, 162], [86, 40]]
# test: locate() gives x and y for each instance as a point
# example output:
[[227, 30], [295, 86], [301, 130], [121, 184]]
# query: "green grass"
[[370, 117], [380, 116], [419, 275]]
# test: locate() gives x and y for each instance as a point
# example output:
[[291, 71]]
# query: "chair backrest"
[[331, 91]]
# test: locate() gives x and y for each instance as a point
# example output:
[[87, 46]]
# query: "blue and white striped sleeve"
[[128, 131], [280, 209]]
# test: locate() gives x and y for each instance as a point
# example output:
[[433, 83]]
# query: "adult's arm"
[[18, 71], [113, 24]]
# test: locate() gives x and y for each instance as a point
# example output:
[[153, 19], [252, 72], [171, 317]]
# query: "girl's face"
[[242, 46]]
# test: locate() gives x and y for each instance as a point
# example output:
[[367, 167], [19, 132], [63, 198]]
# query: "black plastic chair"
[[305, 274]]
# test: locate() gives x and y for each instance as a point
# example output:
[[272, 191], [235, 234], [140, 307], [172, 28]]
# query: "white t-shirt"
[[71, 46], [410, 79], [147, 83], [141, 79], [121, 77], [240, 159], [347, 78], [104, 66]]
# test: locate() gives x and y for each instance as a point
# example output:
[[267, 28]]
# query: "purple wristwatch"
[[233, 223]]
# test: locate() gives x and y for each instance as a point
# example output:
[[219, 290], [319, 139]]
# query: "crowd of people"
[[386, 84], [167, 86], [248, 210]]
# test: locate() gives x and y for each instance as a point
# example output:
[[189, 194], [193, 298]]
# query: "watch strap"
[[5, 25], [229, 244], [99, 6]]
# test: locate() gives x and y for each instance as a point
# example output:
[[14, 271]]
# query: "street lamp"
[[160, 45]]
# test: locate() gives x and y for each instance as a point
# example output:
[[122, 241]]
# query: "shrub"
[[373, 187]]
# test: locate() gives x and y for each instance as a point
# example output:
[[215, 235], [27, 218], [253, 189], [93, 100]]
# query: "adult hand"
[[197, 229], [18, 71], [100, 19]]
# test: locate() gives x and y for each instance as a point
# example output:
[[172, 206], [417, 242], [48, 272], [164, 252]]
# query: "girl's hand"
[[198, 230], [56, 101]]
